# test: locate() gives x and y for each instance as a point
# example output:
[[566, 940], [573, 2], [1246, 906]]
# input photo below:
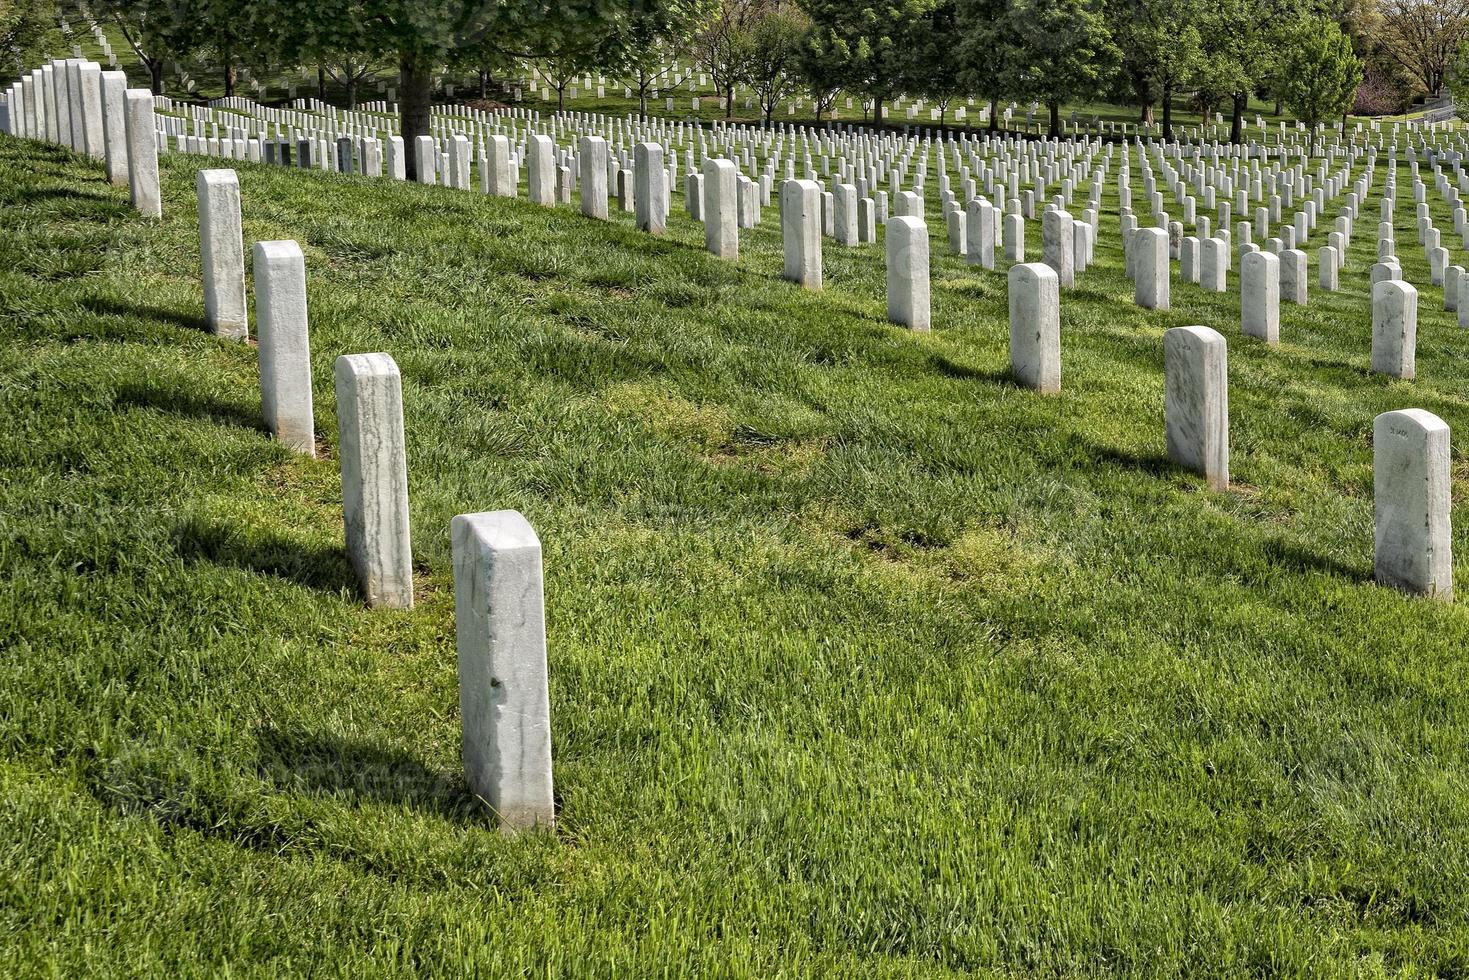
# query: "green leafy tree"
[[422, 36], [932, 70], [1162, 51], [722, 46], [1067, 52], [1322, 72], [1236, 41], [150, 29], [772, 64], [861, 45], [27, 33], [987, 52]]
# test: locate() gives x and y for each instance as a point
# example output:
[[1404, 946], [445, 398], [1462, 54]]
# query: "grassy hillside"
[[863, 659]]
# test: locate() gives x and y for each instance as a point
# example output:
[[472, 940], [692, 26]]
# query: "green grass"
[[864, 661]]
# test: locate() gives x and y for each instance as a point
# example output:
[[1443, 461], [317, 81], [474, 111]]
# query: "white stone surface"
[[425, 159], [222, 249], [1260, 296], [285, 348], [1150, 260], [1293, 276], [979, 228], [115, 126], [142, 154], [1058, 246], [502, 174], [1214, 265], [1412, 494], [907, 270], [504, 691], [541, 161], [800, 223], [1394, 328], [650, 202], [375, 477], [591, 159], [1196, 401], [721, 209], [1035, 326]]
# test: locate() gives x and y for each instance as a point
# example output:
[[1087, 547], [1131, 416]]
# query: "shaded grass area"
[[863, 659]]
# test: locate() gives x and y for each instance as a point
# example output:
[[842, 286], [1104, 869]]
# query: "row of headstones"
[[498, 590], [1411, 446], [76, 104]]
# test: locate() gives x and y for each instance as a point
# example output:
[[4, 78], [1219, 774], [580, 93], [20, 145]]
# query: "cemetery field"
[[864, 660]]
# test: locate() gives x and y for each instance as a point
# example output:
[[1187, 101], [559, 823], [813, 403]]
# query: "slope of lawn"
[[863, 660]]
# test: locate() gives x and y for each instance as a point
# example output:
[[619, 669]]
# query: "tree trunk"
[[1168, 112], [155, 75], [1055, 108], [1145, 118], [416, 98], [876, 111], [1278, 107], [321, 83], [484, 84], [995, 115], [352, 91], [729, 101], [560, 98], [229, 76], [1237, 116]]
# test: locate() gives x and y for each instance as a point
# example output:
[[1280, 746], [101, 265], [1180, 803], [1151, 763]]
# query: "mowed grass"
[[864, 661]]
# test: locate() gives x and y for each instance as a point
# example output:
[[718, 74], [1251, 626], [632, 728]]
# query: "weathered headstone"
[[1196, 401], [1058, 246], [285, 348], [1412, 492], [800, 223], [592, 161], [980, 230], [541, 158], [222, 249], [375, 477], [142, 154], [650, 192], [907, 272], [1394, 328], [1259, 290], [721, 217], [504, 692], [1035, 326], [1150, 257]]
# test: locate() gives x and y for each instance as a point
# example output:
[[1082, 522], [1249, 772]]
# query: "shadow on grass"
[[253, 550], [189, 404], [107, 307], [332, 766], [35, 195], [953, 369], [1151, 464], [1288, 554]]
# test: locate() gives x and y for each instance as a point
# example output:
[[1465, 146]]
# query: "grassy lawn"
[[863, 660]]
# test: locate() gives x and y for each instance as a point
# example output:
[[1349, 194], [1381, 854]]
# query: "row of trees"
[[1308, 55], [1052, 52]]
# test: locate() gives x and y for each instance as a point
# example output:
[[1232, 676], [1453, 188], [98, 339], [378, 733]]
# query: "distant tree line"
[[1317, 59]]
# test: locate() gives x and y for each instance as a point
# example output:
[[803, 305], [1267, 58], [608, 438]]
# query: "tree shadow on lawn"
[[188, 404], [328, 765], [325, 569]]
